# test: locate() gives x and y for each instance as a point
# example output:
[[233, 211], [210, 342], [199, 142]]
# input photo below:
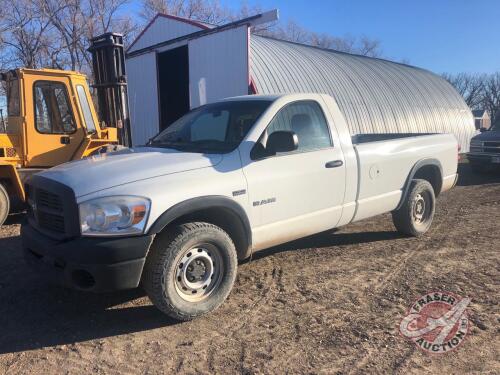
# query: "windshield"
[[213, 128]]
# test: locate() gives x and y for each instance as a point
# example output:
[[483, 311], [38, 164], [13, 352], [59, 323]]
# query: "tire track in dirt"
[[379, 290], [381, 287]]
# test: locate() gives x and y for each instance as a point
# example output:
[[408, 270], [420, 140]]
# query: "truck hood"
[[109, 170], [492, 135]]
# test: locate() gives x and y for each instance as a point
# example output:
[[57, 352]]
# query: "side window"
[[52, 109], [87, 114], [12, 88], [307, 120], [210, 126]]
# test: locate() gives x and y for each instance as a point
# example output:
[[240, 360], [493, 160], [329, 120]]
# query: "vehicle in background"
[[484, 152], [51, 118], [224, 181]]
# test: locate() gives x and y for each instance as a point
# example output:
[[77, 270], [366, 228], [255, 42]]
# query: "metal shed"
[[178, 64]]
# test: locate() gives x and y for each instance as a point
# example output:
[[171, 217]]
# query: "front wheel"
[[415, 216], [4, 204], [190, 270]]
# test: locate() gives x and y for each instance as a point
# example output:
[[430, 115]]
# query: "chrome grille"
[[489, 147]]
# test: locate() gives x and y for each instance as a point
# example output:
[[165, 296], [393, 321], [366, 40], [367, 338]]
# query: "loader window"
[[52, 109], [12, 90], [87, 114], [9, 102]]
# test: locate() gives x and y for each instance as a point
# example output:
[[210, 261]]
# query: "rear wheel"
[[415, 216], [4, 204], [190, 270]]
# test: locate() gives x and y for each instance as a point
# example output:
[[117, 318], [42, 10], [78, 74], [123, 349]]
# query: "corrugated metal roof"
[[375, 95]]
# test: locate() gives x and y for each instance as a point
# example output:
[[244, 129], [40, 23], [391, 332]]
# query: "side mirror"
[[482, 130], [282, 141]]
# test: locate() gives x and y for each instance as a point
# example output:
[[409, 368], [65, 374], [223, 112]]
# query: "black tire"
[[4, 204], [167, 275], [414, 217]]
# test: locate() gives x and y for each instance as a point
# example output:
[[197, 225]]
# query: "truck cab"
[[48, 118]]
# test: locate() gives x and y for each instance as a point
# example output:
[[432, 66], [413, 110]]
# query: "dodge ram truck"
[[224, 181]]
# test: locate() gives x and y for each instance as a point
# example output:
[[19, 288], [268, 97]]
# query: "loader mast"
[[110, 82]]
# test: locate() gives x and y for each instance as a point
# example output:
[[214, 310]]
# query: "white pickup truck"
[[224, 181]]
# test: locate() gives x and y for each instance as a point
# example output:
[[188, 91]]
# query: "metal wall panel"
[[218, 66], [374, 95], [142, 97], [162, 29]]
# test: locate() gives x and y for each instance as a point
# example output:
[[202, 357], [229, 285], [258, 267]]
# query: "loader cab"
[[50, 116]]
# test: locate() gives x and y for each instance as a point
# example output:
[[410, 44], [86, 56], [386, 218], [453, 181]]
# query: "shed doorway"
[[173, 85]]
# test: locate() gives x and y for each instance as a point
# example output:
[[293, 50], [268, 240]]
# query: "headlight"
[[119, 215]]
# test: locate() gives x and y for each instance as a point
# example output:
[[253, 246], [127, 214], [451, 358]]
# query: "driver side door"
[[298, 193]]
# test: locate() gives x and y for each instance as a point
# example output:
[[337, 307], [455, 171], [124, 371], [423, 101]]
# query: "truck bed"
[[385, 160], [377, 137]]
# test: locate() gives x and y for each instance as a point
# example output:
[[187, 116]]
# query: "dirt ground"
[[327, 304]]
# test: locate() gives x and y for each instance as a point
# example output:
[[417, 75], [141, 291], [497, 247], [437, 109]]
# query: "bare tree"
[[209, 11], [470, 86], [78, 21], [54, 33], [491, 96], [25, 36], [295, 33]]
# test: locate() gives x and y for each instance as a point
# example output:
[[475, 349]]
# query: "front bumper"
[[97, 264]]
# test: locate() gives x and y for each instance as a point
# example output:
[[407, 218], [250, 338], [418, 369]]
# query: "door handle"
[[65, 140], [334, 164]]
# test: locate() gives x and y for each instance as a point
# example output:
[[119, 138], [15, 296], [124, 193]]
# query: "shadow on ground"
[[330, 239], [34, 314]]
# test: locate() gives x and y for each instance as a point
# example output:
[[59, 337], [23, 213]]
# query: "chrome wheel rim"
[[419, 209], [198, 272]]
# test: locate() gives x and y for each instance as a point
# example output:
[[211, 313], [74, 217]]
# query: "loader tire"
[[414, 217], [4, 204], [190, 270]]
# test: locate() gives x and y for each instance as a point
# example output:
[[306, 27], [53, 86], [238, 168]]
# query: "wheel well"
[[431, 173], [225, 219]]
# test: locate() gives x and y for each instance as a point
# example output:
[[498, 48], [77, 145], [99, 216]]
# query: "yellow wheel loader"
[[51, 119]]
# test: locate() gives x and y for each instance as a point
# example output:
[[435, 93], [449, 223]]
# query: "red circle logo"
[[437, 322]]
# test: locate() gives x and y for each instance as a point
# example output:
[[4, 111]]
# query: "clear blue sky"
[[440, 35]]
